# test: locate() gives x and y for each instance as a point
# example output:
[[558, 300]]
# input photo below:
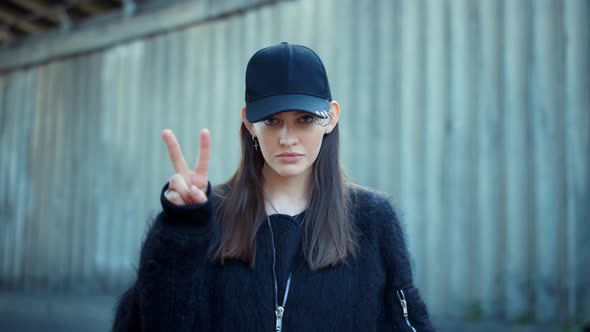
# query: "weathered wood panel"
[[436, 109], [547, 126], [518, 193], [473, 115], [577, 150], [490, 149]]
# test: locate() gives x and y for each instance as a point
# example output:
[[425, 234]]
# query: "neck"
[[287, 194]]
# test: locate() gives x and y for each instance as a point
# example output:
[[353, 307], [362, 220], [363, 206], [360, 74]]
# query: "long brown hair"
[[329, 235]]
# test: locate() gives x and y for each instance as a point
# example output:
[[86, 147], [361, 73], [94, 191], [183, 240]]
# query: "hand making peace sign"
[[188, 186]]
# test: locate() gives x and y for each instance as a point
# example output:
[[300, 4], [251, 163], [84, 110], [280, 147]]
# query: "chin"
[[288, 171]]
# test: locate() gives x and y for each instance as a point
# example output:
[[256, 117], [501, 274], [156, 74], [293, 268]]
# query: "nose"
[[287, 136]]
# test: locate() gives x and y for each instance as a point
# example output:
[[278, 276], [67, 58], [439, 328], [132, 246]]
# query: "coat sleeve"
[[175, 245], [408, 310]]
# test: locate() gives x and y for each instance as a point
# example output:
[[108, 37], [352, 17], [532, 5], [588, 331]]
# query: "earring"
[[255, 143]]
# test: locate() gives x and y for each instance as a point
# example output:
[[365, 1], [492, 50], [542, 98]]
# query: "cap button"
[[284, 43]]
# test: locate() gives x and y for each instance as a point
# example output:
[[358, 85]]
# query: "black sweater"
[[179, 289]]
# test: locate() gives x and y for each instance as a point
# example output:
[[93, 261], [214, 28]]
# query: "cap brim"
[[260, 109]]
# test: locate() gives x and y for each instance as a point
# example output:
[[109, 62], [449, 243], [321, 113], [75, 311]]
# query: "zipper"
[[280, 309], [402, 300], [279, 312]]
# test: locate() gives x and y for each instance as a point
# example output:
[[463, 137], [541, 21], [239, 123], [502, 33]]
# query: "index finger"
[[202, 167], [176, 157]]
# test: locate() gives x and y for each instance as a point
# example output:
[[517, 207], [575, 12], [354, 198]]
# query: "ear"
[[335, 111], [248, 124]]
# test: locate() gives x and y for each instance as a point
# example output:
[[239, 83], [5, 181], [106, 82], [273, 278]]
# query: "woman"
[[285, 244]]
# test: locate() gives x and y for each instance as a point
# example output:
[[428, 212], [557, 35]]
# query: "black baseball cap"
[[286, 77]]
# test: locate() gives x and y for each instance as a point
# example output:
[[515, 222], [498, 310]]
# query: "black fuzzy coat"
[[179, 289]]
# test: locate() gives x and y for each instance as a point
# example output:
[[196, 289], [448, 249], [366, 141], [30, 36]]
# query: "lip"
[[289, 154], [289, 157]]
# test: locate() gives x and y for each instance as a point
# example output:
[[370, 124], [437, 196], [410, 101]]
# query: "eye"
[[270, 121], [306, 119]]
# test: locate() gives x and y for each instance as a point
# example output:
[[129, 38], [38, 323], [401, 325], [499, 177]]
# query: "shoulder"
[[378, 222], [366, 194], [370, 203], [376, 216]]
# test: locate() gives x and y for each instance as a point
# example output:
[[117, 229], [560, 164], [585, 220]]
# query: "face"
[[290, 141]]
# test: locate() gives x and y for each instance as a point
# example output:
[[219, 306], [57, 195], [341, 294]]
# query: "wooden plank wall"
[[473, 115]]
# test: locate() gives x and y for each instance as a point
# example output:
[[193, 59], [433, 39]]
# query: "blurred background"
[[473, 115]]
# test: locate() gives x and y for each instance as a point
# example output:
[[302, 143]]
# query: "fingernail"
[[194, 189]]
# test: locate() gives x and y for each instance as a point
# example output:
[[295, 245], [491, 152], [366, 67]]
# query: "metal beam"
[[8, 16], [64, 18], [12, 18], [129, 7], [116, 30], [51, 14], [94, 8], [5, 35]]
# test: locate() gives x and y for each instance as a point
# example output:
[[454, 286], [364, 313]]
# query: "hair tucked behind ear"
[[329, 236]]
